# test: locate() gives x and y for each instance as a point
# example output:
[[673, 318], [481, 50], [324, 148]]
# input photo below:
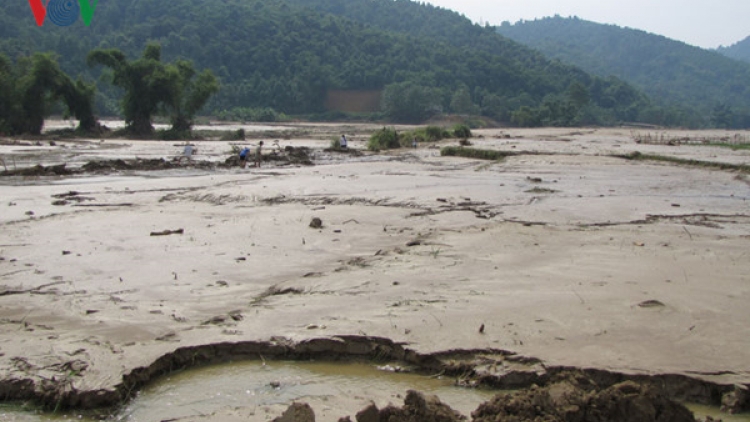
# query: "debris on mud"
[[651, 304], [573, 399], [567, 400], [293, 156], [40, 170], [168, 232]]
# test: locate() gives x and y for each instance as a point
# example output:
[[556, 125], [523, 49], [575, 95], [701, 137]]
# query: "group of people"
[[245, 153]]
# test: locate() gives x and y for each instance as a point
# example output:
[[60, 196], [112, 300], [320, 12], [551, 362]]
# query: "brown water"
[[255, 384]]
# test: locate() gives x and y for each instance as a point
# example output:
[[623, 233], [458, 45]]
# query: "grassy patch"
[[637, 156], [481, 154], [390, 138]]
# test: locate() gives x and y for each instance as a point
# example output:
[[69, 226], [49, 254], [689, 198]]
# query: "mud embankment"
[[291, 156], [498, 369]]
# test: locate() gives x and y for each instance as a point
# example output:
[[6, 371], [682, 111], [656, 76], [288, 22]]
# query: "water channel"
[[258, 384]]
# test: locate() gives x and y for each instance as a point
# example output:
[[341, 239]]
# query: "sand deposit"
[[565, 256]]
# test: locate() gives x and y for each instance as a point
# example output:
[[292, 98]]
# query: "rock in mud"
[[369, 414], [297, 412], [417, 408], [736, 401]]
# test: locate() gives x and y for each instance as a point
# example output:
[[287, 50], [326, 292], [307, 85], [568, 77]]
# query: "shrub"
[[386, 138], [461, 131]]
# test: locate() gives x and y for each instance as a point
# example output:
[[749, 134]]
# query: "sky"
[[702, 23]]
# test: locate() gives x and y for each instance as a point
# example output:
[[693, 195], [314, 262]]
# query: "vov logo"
[[63, 12]]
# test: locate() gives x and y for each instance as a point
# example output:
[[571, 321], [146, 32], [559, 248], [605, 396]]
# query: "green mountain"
[[290, 55], [737, 51], [673, 73]]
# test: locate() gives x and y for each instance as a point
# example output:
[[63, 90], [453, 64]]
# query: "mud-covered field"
[[119, 263]]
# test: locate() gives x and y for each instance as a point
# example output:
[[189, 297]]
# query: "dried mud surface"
[[119, 263]]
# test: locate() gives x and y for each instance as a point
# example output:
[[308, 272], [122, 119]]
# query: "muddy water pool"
[[255, 384]]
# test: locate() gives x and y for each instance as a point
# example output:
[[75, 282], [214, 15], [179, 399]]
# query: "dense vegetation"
[[29, 87], [737, 51], [150, 86], [696, 86], [283, 57], [33, 86]]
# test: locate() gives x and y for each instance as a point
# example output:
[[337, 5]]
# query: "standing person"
[[258, 154], [342, 142], [187, 152], [243, 156], [414, 142]]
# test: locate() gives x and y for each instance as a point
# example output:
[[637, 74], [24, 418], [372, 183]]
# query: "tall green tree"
[[8, 98], [188, 93], [410, 102], [31, 87], [145, 80]]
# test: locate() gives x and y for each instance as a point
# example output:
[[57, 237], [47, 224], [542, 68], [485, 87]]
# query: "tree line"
[[276, 58]]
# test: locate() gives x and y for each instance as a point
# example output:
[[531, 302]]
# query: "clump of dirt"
[[576, 399], [417, 408], [40, 170], [579, 399], [107, 166], [290, 156], [297, 412], [573, 398]]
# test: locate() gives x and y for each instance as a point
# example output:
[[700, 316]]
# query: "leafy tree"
[[8, 99], [461, 102], [145, 80], [722, 116], [410, 102], [579, 94], [30, 89], [151, 86], [188, 93], [525, 117]]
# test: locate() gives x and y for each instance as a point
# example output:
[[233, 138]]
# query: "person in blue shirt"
[[243, 156]]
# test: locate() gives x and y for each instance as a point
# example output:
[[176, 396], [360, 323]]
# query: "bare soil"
[[119, 262]]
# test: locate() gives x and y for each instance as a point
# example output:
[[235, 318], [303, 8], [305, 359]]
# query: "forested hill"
[[738, 51], [287, 56], [664, 69]]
